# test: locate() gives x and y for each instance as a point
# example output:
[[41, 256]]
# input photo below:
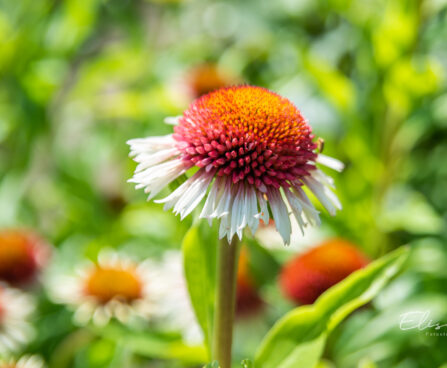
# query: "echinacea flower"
[[248, 300], [307, 276], [16, 308], [22, 255], [113, 287], [27, 361], [118, 287], [253, 152]]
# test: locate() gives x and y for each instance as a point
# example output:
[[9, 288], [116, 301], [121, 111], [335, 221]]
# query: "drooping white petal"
[[225, 201], [238, 219], [264, 214], [147, 160], [155, 178], [217, 189], [193, 195], [280, 214], [330, 162], [324, 195], [312, 215], [150, 144], [297, 208], [252, 210]]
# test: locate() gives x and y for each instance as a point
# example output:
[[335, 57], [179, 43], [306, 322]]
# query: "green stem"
[[227, 261]]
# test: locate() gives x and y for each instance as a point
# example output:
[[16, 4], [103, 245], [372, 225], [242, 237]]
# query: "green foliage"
[[154, 345], [298, 339], [199, 253]]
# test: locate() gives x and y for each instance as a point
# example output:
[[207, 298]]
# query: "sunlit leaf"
[[155, 345], [199, 254], [297, 340]]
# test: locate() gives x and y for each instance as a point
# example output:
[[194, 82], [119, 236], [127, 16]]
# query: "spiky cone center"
[[248, 134], [20, 255], [306, 277], [252, 151], [105, 284]]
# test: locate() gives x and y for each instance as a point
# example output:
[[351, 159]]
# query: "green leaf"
[[263, 265], [199, 257], [246, 363], [214, 364], [298, 339], [154, 345]]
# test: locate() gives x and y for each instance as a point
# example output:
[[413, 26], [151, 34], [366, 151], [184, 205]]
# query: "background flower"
[[16, 330], [22, 255], [304, 278]]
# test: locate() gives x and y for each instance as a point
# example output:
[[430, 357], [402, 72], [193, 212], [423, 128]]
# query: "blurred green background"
[[80, 78]]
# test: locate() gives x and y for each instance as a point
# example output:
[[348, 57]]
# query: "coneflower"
[[253, 152], [248, 153], [304, 278], [22, 255]]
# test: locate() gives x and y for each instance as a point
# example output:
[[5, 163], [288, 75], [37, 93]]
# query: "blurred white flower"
[[15, 328], [113, 287], [117, 287]]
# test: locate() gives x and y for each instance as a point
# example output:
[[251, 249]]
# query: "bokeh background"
[[80, 78]]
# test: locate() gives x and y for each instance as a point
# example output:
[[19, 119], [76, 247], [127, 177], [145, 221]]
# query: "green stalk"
[[227, 262]]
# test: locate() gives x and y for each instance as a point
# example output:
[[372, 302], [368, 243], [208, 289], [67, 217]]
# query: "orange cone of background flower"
[[22, 255], [248, 300], [206, 78], [307, 276]]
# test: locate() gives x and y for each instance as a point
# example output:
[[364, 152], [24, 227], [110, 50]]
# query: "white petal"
[[217, 189], [147, 160], [264, 214], [150, 144], [280, 214], [154, 179], [238, 218], [330, 162], [309, 210], [324, 195], [297, 208], [252, 209]]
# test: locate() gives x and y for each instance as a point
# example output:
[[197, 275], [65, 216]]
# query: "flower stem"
[[227, 261]]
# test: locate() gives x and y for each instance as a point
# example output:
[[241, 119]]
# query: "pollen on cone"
[[306, 277], [248, 134]]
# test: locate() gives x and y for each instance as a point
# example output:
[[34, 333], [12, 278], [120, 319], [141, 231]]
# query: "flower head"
[[22, 255], [118, 287], [113, 287], [306, 277], [15, 328], [253, 152]]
